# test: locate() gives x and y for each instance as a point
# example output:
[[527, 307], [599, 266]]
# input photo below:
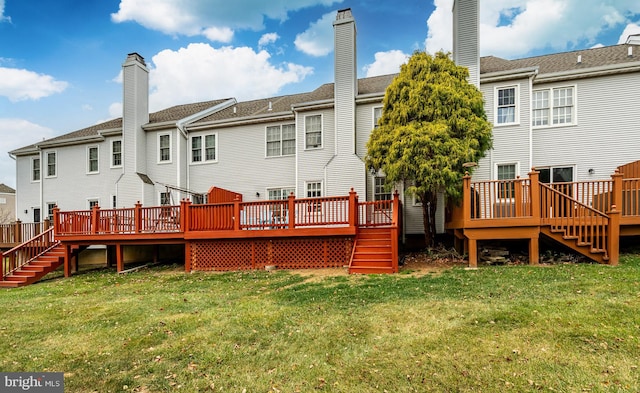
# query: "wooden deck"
[[588, 217], [232, 235]]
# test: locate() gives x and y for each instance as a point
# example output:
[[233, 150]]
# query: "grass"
[[564, 328]]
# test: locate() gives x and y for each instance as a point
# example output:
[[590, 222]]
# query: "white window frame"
[[89, 171], [373, 116], [203, 149], [55, 164], [376, 187], [550, 108], [321, 145], [113, 153], [283, 191], [516, 165], [159, 150], [91, 201], [160, 197], [114, 201], [516, 105], [33, 167], [281, 140], [50, 209]]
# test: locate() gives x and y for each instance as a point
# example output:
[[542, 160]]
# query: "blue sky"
[[60, 60]]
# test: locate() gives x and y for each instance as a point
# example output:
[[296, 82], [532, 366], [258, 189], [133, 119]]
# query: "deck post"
[[353, 208], [137, 217], [185, 220], [67, 260], [613, 237], [534, 197], [473, 253], [466, 199], [95, 213], [17, 232], [56, 220], [119, 258], [292, 211], [517, 196], [187, 256], [236, 213], [534, 250], [616, 190], [395, 227]]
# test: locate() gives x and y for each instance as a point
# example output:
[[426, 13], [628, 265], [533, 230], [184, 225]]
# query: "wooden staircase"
[[574, 224], [35, 269], [373, 251]]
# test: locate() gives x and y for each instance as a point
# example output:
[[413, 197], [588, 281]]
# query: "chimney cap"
[[135, 56], [344, 13]]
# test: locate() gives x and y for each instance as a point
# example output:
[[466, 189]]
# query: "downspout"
[[15, 200], [183, 132], [295, 119], [531, 77], [41, 183]]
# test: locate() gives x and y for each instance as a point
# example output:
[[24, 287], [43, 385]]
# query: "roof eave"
[[277, 116], [498, 76], [589, 72]]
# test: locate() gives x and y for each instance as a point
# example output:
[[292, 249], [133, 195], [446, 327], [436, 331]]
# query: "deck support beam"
[[119, 258], [473, 253], [534, 250], [67, 260]]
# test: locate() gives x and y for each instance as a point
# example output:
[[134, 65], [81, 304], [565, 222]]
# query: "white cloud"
[[87, 107], [386, 63], [200, 72], [511, 28], [115, 110], [3, 17], [16, 133], [200, 17], [268, 38], [19, 84], [631, 29], [317, 40]]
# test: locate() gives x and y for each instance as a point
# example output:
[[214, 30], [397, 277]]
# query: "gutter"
[[242, 121], [590, 72], [509, 74]]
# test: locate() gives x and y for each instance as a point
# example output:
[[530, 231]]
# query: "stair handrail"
[[595, 222], [27, 251]]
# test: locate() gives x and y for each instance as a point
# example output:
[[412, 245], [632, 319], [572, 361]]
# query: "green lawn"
[[562, 328]]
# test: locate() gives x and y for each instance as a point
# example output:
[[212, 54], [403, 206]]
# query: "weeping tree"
[[432, 124]]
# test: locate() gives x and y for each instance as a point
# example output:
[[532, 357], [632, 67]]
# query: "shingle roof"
[[5, 189], [566, 61], [556, 62]]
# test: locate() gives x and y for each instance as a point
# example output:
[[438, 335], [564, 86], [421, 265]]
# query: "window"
[[92, 159], [50, 207], [165, 198], [281, 140], [93, 202], [506, 172], [279, 193], [164, 148], [313, 131], [35, 169], [377, 114], [560, 177], [506, 105], [51, 163], [114, 201], [380, 193], [3, 201], [203, 148], [314, 190], [553, 107], [116, 153]]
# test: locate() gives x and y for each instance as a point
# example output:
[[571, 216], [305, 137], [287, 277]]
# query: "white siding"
[[466, 37], [607, 133], [27, 192], [311, 163]]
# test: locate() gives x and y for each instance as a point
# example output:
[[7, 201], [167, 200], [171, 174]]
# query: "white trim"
[[373, 115], [279, 188], [494, 175], [158, 154], [203, 149], [91, 199], [516, 116], [31, 169], [160, 197], [574, 112], [280, 126], [304, 132], [46, 165], [111, 165], [307, 182], [47, 205], [88, 159]]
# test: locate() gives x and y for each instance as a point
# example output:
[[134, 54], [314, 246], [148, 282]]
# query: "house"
[[570, 115], [7, 204]]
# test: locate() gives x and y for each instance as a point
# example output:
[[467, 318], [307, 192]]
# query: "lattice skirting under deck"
[[288, 253]]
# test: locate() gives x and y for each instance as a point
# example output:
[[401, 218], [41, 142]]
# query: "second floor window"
[[203, 148], [313, 131], [92, 164], [506, 105], [164, 152], [377, 114], [553, 107], [116, 153], [281, 140], [51, 164], [35, 169]]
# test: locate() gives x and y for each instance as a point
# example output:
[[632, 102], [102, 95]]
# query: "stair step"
[[13, 278], [9, 284], [567, 237], [33, 268], [24, 273], [371, 269]]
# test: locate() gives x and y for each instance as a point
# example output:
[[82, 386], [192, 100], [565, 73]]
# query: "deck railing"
[[17, 232], [290, 213], [25, 252]]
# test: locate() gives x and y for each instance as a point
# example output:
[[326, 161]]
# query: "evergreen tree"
[[433, 122]]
